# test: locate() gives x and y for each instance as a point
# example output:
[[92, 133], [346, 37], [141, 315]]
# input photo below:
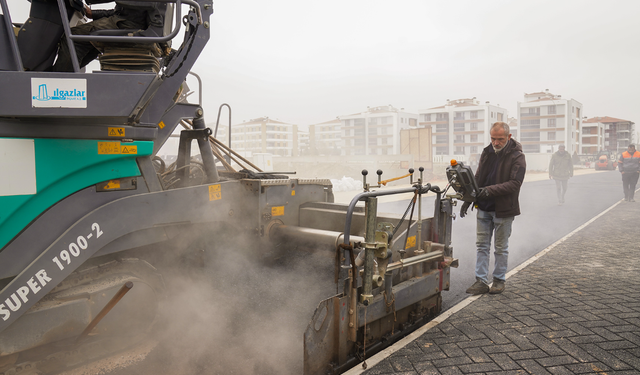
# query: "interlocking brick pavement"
[[574, 310]]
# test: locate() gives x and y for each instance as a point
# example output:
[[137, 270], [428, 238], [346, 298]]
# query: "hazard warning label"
[[215, 192], [112, 184], [277, 211], [108, 148], [129, 149], [115, 148], [116, 132]]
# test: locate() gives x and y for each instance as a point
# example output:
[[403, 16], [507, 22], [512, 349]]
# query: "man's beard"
[[498, 149]]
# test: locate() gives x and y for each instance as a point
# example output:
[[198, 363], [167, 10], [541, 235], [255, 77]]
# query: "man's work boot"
[[497, 287], [478, 288]]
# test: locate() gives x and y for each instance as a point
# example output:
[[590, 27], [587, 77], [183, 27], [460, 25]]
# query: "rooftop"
[[604, 120]]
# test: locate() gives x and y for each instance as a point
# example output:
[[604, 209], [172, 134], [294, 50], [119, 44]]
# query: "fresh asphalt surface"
[[542, 222]]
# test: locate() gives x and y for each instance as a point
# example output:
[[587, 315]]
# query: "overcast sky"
[[307, 62]]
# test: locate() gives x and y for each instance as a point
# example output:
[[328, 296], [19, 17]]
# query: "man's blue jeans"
[[488, 223]]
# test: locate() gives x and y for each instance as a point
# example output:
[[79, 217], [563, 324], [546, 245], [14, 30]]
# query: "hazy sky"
[[307, 62]]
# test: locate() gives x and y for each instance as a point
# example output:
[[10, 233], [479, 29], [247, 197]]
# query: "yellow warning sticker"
[[108, 148], [112, 184], [161, 125], [215, 192], [277, 211], [293, 192], [116, 132], [411, 242], [129, 149]]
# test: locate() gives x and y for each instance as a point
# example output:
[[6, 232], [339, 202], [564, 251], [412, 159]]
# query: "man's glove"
[[464, 208], [483, 194]]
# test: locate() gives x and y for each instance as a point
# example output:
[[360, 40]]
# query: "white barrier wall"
[[538, 162]]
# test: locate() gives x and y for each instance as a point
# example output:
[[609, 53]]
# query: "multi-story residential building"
[[592, 136], [546, 121], [263, 135], [461, 127], [325, 138], [606, 133], [513, 127], [375, 131], [303, 142]]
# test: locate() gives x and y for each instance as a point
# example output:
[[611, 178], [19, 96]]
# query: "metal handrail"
[[122, 39], [218, 123], [362, 196], [13, 41]]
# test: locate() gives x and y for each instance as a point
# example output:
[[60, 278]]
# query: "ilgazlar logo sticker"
[[58, 93]]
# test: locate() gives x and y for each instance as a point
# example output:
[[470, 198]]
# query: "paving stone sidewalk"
[[575, 310]]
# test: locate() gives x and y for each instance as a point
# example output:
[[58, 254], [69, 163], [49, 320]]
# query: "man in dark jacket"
[[629, 166], [500, 174], [147, 18], [561, 169]]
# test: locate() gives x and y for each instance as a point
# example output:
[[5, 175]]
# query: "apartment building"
[[263, 135], [606, 133], [461, 127], [304, 147], [546, 121], [325, 138], [513, 127], [375, 131]]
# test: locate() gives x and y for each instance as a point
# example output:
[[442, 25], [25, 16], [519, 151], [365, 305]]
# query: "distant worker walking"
[[629, 166], [561, 170], [500, 173]]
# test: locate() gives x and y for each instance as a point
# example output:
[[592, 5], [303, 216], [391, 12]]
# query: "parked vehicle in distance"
[[606, 160]]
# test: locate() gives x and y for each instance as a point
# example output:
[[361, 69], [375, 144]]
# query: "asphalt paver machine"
[[92, 220]]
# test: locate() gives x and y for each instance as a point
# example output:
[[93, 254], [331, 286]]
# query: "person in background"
[[500, 174], [629, 166], [561, 170]]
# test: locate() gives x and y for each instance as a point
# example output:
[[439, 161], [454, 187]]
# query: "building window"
[[473, 138], [459, 127], [530, 124], [373, 121], [473, 149], [459, 116], [459, 150], [442, 139], [529, 112], [551, 109], [551, 136], [442, 150], [442, 128], [459, 138], [531, 148], [499, 116], [551, 123], [530, 136], [473, 126], [426, 117], [474, 114], [442, 116]]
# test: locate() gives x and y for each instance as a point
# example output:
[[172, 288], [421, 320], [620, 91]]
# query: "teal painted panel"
[[64, 166]]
